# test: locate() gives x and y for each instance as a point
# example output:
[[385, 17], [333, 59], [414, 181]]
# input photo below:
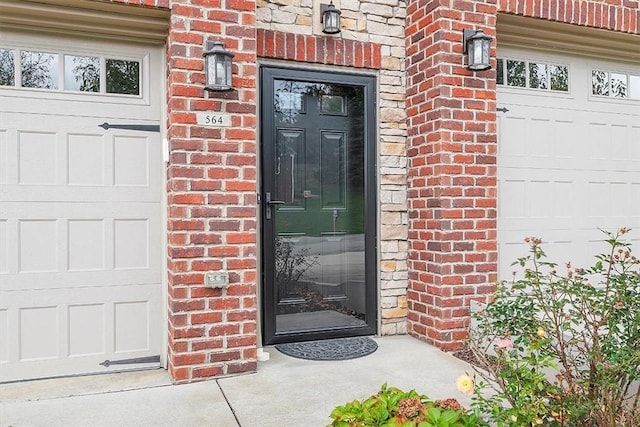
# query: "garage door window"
[[615, 84], [82, 73], [532, 75], [69, 72], [7, 67], [39, 69]]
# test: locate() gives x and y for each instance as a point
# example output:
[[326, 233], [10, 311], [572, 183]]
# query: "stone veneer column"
[[451, 152], [366, 24], [212, 175]]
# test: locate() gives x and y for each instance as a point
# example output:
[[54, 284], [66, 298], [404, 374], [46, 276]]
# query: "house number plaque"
[[213, 119]]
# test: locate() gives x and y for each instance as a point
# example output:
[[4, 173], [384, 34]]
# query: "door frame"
[[267, 75]]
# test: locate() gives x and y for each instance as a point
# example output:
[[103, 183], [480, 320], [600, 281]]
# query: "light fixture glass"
[[476, 47], [330, 18], [217, 67]]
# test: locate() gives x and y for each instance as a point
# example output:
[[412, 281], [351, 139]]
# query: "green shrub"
[[394, 407], [562, 348]]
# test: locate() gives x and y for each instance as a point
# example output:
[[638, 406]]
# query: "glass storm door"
[[318, 205]]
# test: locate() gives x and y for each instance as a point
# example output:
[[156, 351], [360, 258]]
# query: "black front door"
[[318, 205]]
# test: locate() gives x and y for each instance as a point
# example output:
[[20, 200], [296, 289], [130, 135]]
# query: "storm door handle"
[[269, 203]]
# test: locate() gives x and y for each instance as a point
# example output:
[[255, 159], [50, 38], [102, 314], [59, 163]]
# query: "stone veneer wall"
[[377, 25], [380, 24]]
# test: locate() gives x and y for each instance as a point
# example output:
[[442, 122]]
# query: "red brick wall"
[[211, 188], [451, 152], [319, 50]]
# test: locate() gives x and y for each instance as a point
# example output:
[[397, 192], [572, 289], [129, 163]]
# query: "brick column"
[[211, 190], [451, 152]]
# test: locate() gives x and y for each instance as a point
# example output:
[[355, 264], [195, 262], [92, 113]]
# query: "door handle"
[[269, 203]]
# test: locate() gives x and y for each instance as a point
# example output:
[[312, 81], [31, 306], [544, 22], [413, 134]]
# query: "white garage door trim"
[[533, 127], [87, 18], [554, 37], [42, 105]]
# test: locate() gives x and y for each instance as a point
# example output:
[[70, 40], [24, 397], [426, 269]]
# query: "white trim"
[[164, 274], [540, 34]]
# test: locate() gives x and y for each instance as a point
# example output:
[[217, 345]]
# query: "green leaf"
[[433, 414], [450, 416]]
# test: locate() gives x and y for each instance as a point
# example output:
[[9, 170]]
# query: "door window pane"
[[123, 77], [289, 102], [319, 215], [7, 68], [39, 70], [332, 104], [82, 73]]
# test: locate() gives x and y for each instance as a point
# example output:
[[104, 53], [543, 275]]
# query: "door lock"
[[269, 203]]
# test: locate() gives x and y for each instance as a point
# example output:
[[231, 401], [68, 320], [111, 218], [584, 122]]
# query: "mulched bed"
[[465, 354]]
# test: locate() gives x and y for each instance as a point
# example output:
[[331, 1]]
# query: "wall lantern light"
[[217, 63], [476, 46], [330, 18]]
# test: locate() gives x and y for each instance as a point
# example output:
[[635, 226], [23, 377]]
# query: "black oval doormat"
[[333, 349]]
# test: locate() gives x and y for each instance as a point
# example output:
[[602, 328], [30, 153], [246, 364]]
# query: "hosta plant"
[[560, 346], [392, 407]]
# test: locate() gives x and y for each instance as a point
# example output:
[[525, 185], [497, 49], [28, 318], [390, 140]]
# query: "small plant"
[[394, 407], [562, 348]]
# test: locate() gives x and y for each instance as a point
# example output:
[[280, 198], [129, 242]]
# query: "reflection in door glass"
[[559, 77], [619, 85], [516, 73], [82, 73], [537, 75], [600, 83], [319, 168], [123, 77], [39, 70]]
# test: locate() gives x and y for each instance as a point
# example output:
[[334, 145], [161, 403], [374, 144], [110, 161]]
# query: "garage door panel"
[[510, 127], [591, 202], [576, 246], [122, 250], [72, 280], [77, 194], [4, 247], [44, 210], [86, 160], [76, 153], [544, 144], [93, 325]]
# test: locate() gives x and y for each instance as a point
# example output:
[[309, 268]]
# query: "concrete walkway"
[[284, 392]]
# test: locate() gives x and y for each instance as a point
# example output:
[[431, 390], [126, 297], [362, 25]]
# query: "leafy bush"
[[562, 348], [394, 407]]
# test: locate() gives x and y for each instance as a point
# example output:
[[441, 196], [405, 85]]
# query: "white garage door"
[[80, 215], [569, 154]]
